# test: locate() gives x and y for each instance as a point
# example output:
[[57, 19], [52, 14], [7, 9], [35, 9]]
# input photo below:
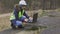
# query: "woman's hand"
[[30, 19], [26, 20]]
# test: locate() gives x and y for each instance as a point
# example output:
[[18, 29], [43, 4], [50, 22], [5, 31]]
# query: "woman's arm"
[[26, 15], [16, 14]]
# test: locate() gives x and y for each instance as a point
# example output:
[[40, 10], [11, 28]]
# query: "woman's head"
[[23, 6]]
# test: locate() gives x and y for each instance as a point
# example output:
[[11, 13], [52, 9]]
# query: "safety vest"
[[12, 17]]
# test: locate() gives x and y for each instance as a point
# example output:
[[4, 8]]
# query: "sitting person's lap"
[[22, 18]]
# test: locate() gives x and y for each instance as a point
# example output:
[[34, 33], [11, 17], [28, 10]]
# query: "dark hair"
[[16, 5]]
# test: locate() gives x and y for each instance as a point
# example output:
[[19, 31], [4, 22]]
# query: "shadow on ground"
[[10, 31]]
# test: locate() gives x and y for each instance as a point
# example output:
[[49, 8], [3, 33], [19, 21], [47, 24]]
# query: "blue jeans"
[[22, 18]]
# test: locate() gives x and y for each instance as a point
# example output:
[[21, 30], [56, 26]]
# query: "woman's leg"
[[23, 18], [13, 22], [19, 24]]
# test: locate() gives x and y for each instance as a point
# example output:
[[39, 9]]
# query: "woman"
[[18, 16]]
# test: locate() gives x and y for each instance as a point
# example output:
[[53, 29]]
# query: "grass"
[[4, 23], [36, 28]]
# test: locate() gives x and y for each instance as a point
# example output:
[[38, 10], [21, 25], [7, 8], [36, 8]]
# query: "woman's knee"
[[23, 16]]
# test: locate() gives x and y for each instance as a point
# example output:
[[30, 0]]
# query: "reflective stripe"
[[12, 16], [21, 14]]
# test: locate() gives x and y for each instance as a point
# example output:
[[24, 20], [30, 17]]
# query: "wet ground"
[[52, 23]]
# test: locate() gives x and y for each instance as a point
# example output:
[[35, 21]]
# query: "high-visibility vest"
[[12, 17]]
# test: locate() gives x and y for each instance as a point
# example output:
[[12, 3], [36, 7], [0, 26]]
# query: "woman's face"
[[23, 7], [19, 9]]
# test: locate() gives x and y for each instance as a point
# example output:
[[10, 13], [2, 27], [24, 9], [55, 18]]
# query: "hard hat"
[[22, 2]]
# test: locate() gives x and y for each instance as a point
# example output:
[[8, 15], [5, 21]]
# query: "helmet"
[[22, 2]]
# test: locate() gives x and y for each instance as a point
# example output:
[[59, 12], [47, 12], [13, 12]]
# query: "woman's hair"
[[16, 6]]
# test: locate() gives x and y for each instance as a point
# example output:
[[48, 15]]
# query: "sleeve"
[[26, 15], [16, 15]]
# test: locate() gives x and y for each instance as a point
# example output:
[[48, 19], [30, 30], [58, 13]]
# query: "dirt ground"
[[4, 23]]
